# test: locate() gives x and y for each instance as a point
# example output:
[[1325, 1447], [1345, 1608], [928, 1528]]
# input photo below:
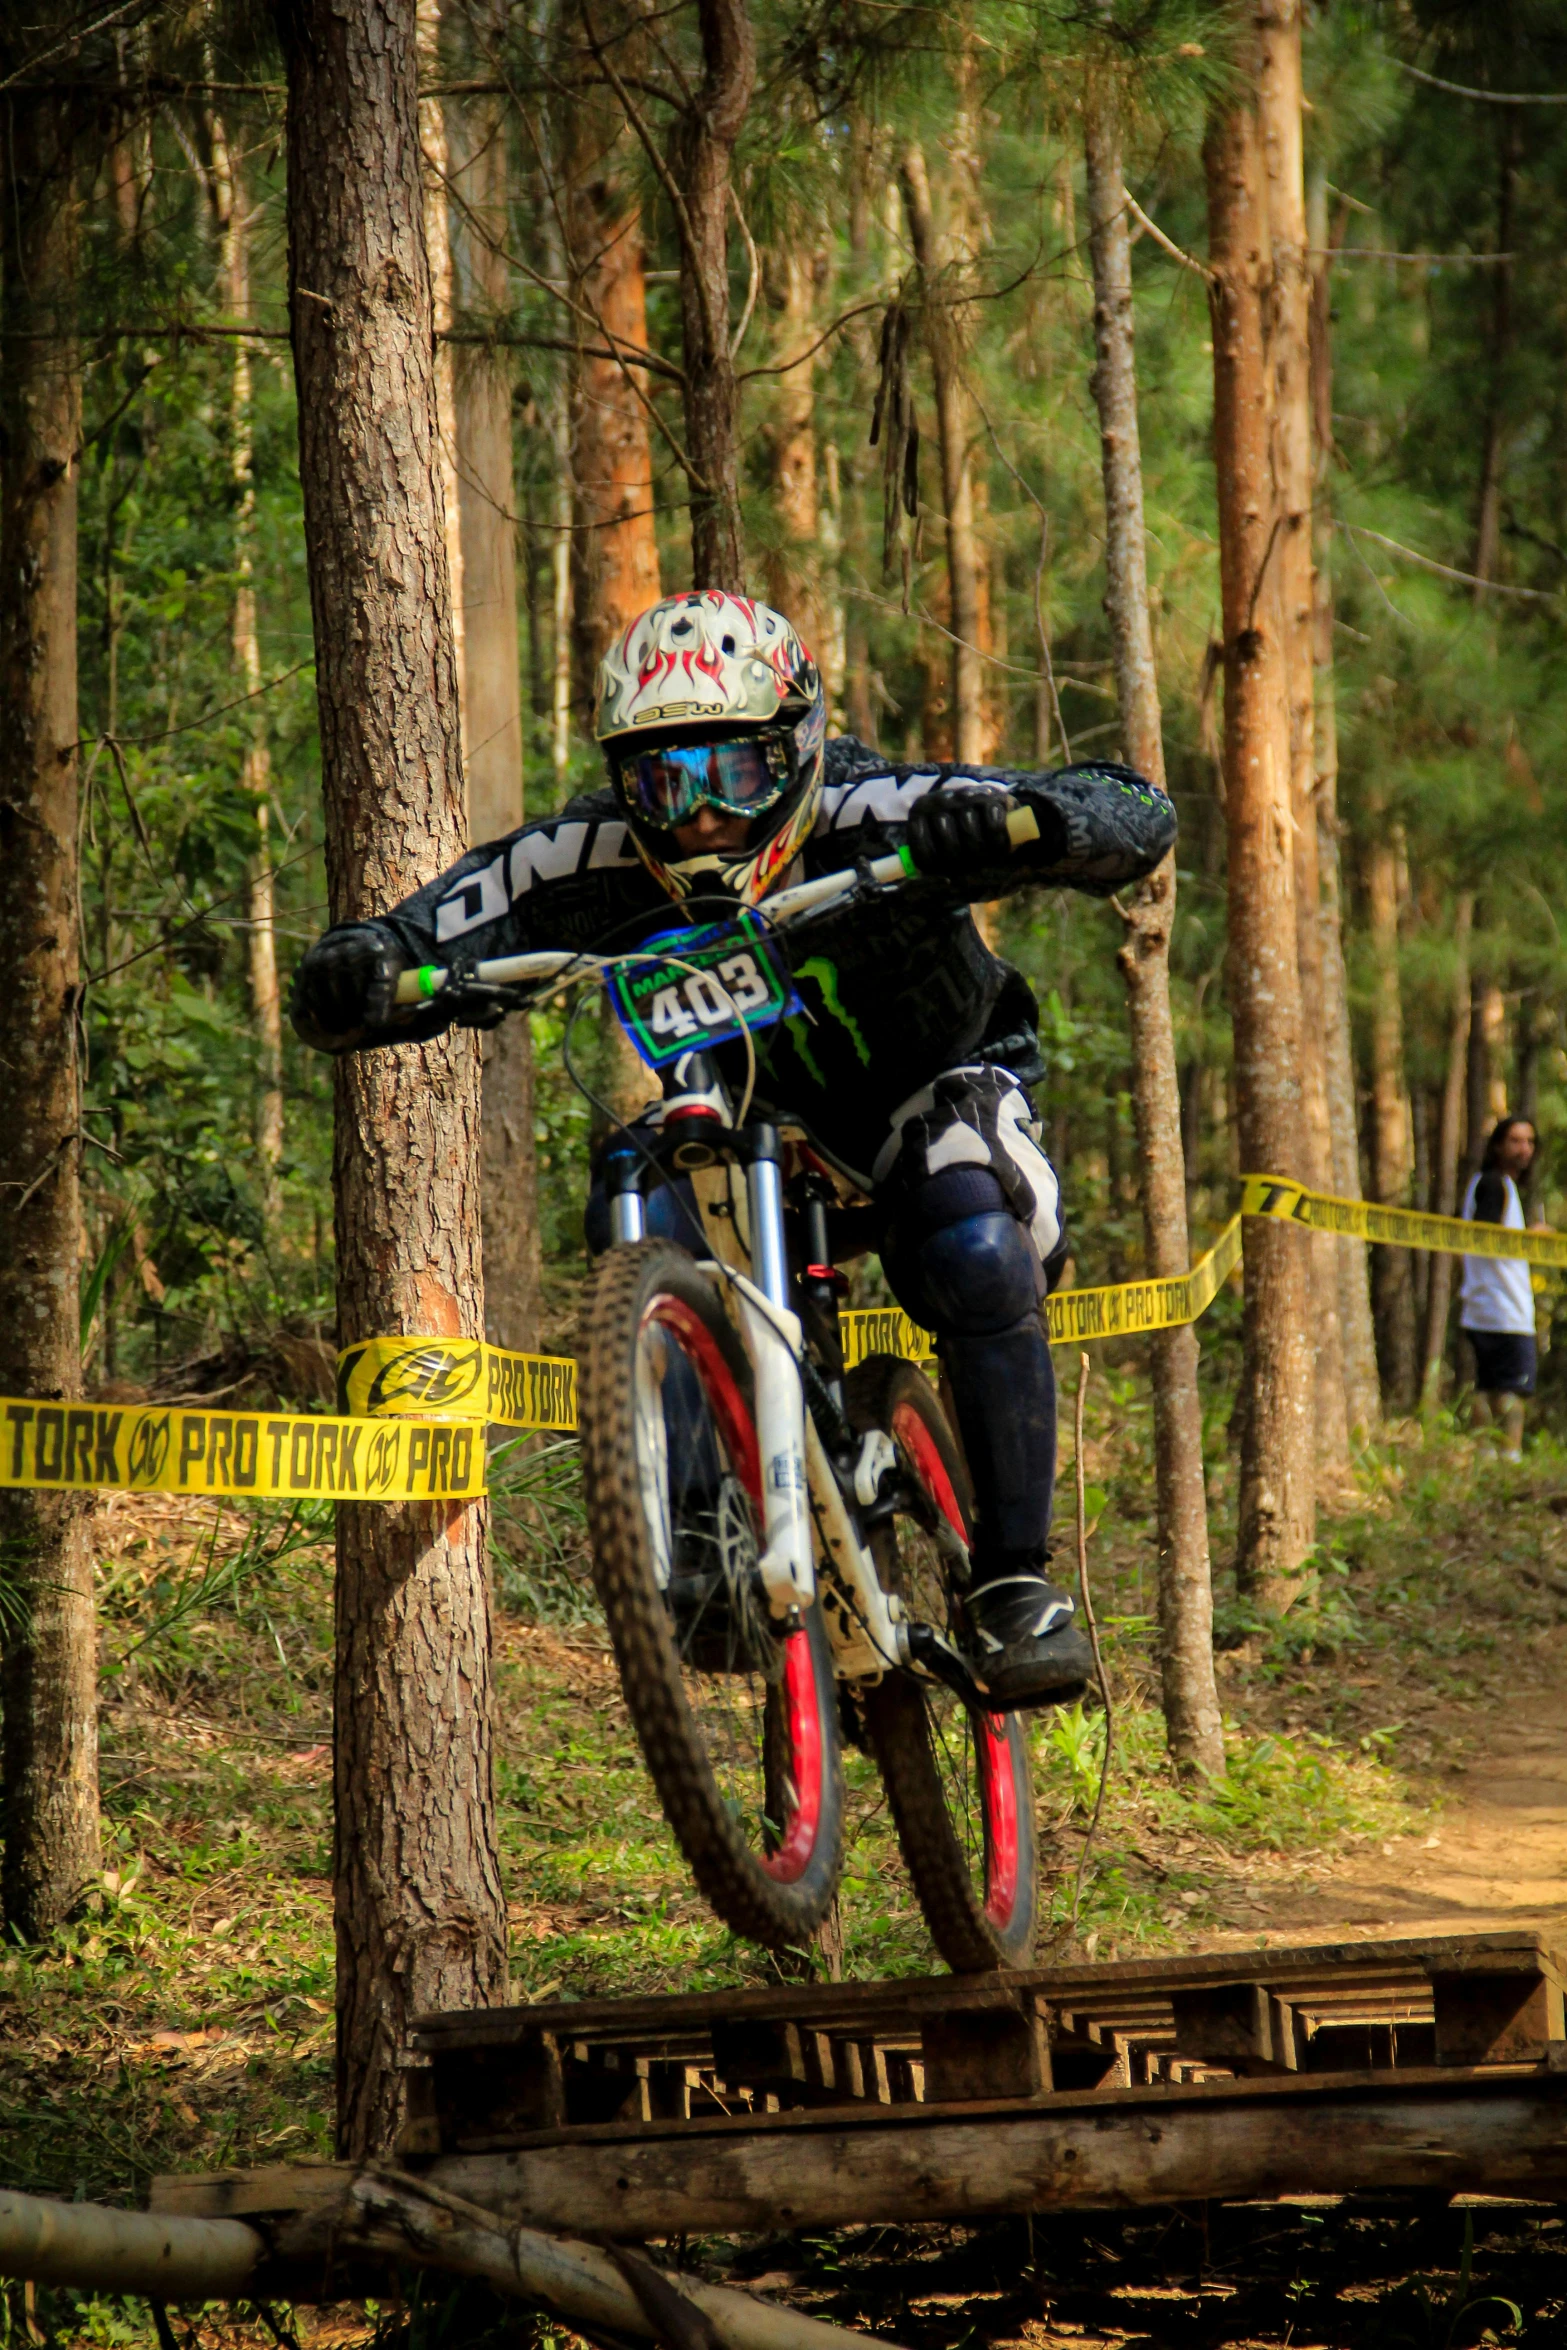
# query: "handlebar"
[[790, 905]]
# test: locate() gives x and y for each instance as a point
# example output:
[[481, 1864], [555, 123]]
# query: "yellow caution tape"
[[1362, 1219], [1129, 1308], [412, 1410], [457, 1379], [883, 1330], [159, 1448]]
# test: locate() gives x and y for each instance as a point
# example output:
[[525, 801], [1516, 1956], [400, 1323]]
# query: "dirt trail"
[[1496, 1854]]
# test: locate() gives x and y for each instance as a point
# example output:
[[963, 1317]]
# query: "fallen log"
[[388, 2217], [91, 2245]]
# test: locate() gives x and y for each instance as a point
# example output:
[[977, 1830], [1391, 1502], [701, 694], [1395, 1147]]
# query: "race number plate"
[[701, 987]]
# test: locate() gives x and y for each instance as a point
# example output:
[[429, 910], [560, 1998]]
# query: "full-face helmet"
[[712, 699]]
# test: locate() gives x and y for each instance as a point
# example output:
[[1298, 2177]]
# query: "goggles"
[[744, 778]]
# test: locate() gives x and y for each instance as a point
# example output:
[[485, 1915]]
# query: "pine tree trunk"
[[48, 1660], [420, 1918], [793, 569], [965, 562], [1277, 1498], [615, 543], [702, 152], [1362, 1391], [1488, 512], [436, 155], [492, 689], [616, 547], [266, 1003], [1191, 1704], [1393, 1152], [1279, 103], [1449, 1140]]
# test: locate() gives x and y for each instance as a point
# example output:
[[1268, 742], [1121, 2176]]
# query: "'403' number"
[[705, 999]]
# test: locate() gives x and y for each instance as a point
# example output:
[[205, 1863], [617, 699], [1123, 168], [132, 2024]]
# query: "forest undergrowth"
[[185, 2021]]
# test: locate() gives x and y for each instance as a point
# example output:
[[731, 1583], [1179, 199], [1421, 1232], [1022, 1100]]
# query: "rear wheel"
[[736, 1713], [958, 1780]]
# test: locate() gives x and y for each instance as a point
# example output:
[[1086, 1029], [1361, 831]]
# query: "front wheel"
[[736, 1713], [958, 1780]]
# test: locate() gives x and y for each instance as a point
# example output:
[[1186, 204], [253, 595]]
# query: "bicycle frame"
[[801, 1486]]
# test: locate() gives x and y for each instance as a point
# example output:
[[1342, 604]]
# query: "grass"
[[184, 2021]]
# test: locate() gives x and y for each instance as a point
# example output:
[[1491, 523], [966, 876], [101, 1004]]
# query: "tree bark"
[[1191, 1705], [1488, 510], [1362, 1391], [266, 1003], [492, 691], [965, 561], [48, 1671], [1449, 1139], [1277, 1500], [1393, 1151], [420, 1918], [436, 158], [615, 544], [1279, 102], [702, 154], [616, 547], [793, 567]]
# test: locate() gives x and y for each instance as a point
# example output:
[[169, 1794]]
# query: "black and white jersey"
[[892, 992]]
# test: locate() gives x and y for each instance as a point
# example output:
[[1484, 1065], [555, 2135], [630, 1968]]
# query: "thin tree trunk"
[[48, 1667], [1191, 1704], [615, 544], [793, 568], [616, 547], [561, 600], [1279, 100], [1362, 1391], [1488, 511], [965, 562], [1391, 1273], [1277, 1499], [436, 153], [421, 1923], [1449, 1137], [266, 1003], [492, 689], [1492, 1061], [702, 153]]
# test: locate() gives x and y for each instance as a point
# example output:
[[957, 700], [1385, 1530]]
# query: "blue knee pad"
[[974, 1277]]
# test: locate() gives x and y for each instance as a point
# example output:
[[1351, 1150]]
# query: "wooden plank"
[[851, 2006], [1534, 2101], [1188, 2146], [1232, 2024], [1495, 2018], [997, 2052]]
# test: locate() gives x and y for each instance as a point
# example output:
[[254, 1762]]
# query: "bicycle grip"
[[1022, 826]]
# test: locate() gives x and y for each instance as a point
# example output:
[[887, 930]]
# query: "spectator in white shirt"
[[1495, 1295]]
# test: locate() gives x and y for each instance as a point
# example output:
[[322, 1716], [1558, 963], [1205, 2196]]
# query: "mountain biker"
[[910, 1058]]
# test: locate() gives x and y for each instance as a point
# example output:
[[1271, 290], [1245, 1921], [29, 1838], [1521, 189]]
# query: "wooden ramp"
[[1436, 2065]]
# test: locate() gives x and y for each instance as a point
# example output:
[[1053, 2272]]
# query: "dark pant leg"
[[962, 1265]]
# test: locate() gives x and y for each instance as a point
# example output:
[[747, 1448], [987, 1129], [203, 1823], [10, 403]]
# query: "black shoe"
[[1022, 1641]]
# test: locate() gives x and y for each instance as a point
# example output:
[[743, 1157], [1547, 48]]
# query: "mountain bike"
[[780, 1544]]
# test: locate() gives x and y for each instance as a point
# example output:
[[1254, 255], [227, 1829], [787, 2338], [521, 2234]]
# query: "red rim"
[[729, 1405], [792, 1856], [992, 1733], [802, 1697]]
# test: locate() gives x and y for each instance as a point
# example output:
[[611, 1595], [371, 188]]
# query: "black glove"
[[955, 834], [346, 983]]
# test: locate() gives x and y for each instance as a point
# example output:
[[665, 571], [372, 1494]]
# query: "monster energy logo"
[[825, 973]]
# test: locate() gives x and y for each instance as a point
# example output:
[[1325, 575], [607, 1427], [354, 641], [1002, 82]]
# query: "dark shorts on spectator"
[[1505, 1361]]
